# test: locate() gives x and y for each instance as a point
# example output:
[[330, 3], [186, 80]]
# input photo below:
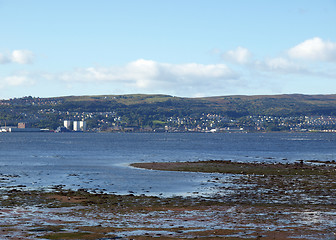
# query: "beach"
[[261, 206]]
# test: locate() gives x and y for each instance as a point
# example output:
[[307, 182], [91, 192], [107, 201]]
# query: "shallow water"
[[99, 161]]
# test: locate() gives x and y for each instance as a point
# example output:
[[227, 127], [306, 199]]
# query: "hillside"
[[233, 106], [277, 105], [239, 105], [142, 110]]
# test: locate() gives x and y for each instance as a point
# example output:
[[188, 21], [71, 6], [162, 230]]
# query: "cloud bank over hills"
[[238, 70]]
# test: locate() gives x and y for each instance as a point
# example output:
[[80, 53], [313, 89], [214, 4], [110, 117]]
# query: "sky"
[[186, 48]]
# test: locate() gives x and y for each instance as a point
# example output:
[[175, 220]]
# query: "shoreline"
[[261, 201], [299, 183], [66, 214], [300, 167]]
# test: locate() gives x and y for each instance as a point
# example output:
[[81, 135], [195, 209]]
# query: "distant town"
[[209, 123], [162, 113]]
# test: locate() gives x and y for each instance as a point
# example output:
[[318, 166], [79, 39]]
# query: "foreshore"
[[261, 201]]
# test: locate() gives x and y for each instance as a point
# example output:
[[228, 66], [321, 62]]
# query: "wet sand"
[[227, 166], [260, 201]]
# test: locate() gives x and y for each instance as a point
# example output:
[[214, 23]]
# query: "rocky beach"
[[263, 201]]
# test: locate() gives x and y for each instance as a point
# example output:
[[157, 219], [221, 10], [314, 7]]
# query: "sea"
[[99, 162]]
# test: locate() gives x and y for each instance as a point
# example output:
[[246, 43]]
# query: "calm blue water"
[[100, 161]]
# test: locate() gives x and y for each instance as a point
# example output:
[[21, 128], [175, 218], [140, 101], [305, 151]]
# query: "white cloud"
[[194, 70], [280, 65], [239, 55], [17, 56], [22, 56], [314, 49], [147, 74], [18, 80]]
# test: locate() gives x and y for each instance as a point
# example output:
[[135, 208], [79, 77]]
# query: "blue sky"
[[186, 48]]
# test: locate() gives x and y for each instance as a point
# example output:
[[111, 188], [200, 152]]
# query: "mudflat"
[[250, 201]]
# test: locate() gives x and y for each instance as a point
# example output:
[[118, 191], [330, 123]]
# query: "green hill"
[[148, 110], [275, 105]]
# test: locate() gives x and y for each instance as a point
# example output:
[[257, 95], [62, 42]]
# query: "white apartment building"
[[67, 124], [76, 126]]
